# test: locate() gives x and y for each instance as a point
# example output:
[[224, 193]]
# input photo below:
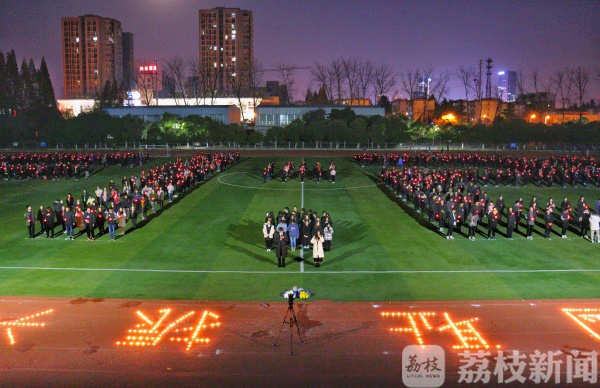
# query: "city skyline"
[[540, 35]]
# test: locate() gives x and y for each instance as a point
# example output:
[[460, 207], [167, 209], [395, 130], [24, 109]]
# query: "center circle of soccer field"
[[251, 180]]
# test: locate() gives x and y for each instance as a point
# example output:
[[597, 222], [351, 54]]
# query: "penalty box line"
[[473, 271]]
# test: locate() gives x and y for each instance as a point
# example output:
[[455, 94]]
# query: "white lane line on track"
[[482, 271]]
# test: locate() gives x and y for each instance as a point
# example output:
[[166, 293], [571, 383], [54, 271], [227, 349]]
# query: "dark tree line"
[[27, 101]]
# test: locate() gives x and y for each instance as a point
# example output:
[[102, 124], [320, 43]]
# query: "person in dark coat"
[[281, 248], [30, 221], [451, 224], [531, 216], [500, 205], [100, 220], [564, 220], [549, 221], [305, 234], [518, 210], [49, 222], [585, 222], [493, 218], [511, 221], [90, 220], [40, 217]]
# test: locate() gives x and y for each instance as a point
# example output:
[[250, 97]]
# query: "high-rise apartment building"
[[128, 61], [226, 48], [507, 86], [92, 54]]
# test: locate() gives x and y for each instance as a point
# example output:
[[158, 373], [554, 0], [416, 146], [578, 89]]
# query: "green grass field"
[[208, 245]]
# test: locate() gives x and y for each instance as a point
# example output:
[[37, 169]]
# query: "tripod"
[[292, 320]]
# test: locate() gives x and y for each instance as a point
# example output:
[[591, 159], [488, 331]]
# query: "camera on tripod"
[[292, 321]]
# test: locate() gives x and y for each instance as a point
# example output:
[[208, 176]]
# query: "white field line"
[[474, 271]]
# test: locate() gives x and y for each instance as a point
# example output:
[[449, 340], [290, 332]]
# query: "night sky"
[[518, 35]]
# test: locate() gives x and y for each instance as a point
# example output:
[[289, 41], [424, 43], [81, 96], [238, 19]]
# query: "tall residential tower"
[[92, 54], [507, 86], [226, 48]]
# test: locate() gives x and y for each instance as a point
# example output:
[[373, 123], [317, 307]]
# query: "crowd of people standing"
[[113, 205], [288, 171], [454, 197], [298, 229], [64, 165]]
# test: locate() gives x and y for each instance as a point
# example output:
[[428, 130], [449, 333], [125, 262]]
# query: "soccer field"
[[208, 245]]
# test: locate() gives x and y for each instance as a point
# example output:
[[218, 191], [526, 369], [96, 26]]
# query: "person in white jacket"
[[595, 228], [268, 233], [317, 243], [328, 236]]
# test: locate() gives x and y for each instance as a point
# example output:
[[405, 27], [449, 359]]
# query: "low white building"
[[245, 104], [282, 115], [226, 114]]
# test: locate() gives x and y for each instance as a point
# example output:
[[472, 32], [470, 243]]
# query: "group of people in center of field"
[[288, 171], [298, 229]]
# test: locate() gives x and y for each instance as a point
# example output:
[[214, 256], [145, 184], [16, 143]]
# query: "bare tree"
[[467, 79], [198, 87], [563, 83], [581, 77], [255, 79], [147, 83], [521, 82], [439, 88], [238, 82], [286, 73], [534, 80], [365, 78], [350, 68], [320, 74], [410, 82], [336, 75], [384, 78], [175, 78]]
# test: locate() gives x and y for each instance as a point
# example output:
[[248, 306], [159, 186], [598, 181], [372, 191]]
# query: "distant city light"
[[500, 73]]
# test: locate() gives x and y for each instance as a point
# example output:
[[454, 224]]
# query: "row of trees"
[[345, 126], [27, 100], [355, 79]]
